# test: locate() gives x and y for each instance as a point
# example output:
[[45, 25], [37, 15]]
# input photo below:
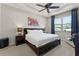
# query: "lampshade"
[[20, 30]]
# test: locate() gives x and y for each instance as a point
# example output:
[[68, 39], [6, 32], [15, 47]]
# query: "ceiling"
[[37, 8], [33, 8]]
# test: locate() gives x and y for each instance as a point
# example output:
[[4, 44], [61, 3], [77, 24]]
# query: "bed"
[[40, 42]]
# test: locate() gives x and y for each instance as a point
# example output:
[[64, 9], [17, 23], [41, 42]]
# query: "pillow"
[[38, 31], [30, 31], [34, 31]]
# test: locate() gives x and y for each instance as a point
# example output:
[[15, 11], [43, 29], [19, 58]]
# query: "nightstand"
[[19, 40]]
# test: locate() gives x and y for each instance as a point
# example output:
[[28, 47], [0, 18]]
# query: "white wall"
[[12, 18], [48, 25], [0, 20]]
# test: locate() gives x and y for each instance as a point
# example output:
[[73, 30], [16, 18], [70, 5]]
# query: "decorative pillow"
[[34, 31]]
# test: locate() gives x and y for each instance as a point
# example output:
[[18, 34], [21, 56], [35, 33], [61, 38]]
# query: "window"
[[58, 24], [67, 23], [63, 23]]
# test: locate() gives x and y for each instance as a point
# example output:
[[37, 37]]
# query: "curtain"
[[74, 21], [52, 25], [75, 29]]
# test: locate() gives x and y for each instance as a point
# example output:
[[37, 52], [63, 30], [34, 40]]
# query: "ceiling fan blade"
[[40, 5], [54, 7], [48, 10], [49, 4], [41, 10]]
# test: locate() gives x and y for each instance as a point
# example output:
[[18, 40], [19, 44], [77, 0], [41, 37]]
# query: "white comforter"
[[39, 39]]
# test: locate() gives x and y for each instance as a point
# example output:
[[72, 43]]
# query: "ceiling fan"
[[47, 7]]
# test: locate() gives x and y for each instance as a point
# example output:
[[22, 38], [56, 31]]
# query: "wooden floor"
[[24, 50]]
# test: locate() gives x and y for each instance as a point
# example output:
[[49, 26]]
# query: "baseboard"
[[70, 43]]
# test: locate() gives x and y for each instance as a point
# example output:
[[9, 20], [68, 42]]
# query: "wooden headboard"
[[25, 29]]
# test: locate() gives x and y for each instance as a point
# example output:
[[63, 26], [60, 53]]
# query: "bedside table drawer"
[[20, 40]]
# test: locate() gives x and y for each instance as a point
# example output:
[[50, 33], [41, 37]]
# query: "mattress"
[[41, 38]]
